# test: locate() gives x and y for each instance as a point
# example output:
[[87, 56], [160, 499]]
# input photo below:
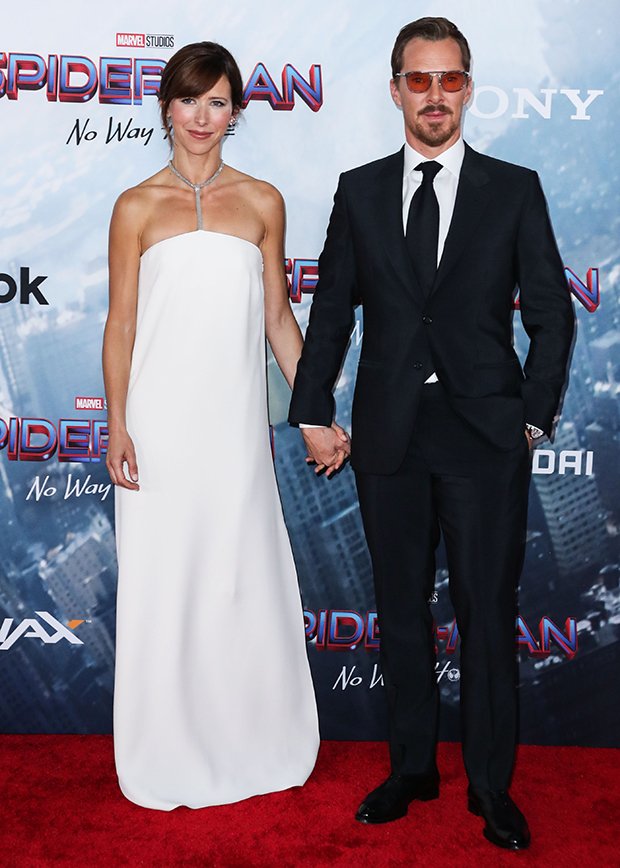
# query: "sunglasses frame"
[[439, 73]]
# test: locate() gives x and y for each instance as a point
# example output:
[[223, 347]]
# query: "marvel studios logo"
[[85, 402], [144, 40]]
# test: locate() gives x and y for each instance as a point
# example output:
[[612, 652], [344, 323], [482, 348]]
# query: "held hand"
[[121, 455], [342, 434], [344, 451], [328, 448]]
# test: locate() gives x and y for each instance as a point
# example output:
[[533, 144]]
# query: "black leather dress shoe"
[[505, 824], [390, 801]]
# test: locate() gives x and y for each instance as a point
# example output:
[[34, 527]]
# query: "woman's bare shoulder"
[[264, 196], [137, 202]]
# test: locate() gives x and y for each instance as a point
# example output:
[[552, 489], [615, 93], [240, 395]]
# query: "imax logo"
[[30, 628]]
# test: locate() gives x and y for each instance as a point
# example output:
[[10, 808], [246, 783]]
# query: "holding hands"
[[328, 448]]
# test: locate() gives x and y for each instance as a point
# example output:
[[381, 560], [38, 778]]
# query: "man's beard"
[[436, 133]]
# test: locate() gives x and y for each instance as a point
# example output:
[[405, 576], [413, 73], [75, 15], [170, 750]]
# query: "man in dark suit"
[[433, 241]]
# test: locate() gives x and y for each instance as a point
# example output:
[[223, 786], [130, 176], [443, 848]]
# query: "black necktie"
[[422, 233]]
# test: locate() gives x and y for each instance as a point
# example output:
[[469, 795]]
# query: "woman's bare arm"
[[332, 446], [120, 330], [281, 327]]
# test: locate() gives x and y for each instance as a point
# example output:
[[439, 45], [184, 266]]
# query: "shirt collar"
[[451, 159]]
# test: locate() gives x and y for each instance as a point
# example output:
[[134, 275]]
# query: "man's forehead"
[[422, 52]]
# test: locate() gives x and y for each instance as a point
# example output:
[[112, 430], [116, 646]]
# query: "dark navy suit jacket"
[[500, 237]]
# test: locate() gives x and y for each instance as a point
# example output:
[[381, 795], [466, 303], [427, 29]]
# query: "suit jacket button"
[[417, 365], [427, 319]]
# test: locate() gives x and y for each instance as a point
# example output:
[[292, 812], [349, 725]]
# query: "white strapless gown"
[[213, 697]]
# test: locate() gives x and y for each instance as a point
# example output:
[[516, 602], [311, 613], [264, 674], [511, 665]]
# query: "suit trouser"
[[451, 481]]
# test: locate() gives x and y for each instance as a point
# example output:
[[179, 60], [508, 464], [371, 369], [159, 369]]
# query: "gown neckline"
[[202, 231]]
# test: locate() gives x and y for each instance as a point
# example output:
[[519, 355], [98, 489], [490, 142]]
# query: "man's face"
[[433, 118]]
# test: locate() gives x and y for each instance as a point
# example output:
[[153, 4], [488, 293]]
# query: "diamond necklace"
[[196, 187]]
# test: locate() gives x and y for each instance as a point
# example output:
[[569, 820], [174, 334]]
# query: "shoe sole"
[[505, 845], [425, 797]]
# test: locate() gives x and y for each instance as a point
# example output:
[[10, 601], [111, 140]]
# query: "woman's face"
[[199, 123]]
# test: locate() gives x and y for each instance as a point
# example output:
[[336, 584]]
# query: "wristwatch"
[[534, 432]]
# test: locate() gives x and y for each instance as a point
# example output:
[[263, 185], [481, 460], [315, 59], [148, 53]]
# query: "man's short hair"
[[433, 29]]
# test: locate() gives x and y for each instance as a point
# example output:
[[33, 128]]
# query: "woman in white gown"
[[213, 697]]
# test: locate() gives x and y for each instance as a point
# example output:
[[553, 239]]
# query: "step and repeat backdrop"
[[79, 121]]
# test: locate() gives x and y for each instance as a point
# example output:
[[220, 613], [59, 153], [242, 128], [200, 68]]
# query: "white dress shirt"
[[445, 185]]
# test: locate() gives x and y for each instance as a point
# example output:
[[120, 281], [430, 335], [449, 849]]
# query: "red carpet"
[[59, 805]]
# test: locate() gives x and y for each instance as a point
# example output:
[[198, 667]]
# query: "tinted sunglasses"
[[451, 81]]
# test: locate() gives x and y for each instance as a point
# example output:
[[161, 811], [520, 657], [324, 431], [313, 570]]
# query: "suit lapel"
[[472, 196], [386, 201]]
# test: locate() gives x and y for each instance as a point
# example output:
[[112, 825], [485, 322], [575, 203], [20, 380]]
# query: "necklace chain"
[[197, 187], [191, 184]]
